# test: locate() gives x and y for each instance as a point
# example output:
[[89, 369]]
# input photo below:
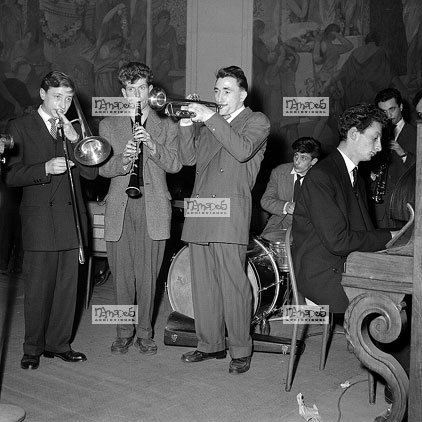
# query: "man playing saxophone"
[[399, 155], [136, 228]]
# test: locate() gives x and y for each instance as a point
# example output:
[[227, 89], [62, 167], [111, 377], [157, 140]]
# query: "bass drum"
[[262, 273]]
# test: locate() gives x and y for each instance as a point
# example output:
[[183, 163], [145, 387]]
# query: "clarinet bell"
[[133, 190]]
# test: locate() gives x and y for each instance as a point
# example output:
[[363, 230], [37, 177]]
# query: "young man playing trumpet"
[[136, 228]]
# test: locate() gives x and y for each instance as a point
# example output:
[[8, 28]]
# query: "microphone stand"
[[73, 195]]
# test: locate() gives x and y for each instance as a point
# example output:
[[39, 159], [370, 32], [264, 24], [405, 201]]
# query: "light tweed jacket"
[[118, 130]]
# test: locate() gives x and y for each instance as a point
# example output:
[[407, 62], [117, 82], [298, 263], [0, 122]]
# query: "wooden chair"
[[298, 300], [326, 334]]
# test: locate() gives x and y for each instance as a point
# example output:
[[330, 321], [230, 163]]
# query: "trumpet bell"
[[157, 98], [92, 150]]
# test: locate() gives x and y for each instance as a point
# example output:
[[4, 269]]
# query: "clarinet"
[[133, 190]]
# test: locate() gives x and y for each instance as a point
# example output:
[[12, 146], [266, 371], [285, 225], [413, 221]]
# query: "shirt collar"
[[235, 114], [45, 116], [295, 173], [349, 164], [399, 127]]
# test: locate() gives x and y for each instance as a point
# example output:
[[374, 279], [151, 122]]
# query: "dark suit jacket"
[[46, 208], [117, 130], [227, 158], [279, 191], [330, 222]]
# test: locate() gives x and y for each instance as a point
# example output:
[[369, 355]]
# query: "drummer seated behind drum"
[[279, 197]]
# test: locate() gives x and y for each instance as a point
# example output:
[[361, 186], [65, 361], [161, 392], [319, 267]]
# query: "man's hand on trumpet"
[[201, 112], [68, 128]]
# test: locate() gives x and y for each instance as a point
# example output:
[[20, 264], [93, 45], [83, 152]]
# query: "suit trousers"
[[135, 261], [222, 297], [50, 287]]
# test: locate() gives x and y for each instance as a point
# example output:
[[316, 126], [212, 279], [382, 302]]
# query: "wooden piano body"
[[376, 284]]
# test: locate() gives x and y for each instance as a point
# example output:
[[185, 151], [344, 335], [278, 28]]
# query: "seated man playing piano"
[[331, 217]]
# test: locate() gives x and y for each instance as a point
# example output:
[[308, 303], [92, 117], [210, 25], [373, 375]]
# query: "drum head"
[[179, 287], [179, 283]]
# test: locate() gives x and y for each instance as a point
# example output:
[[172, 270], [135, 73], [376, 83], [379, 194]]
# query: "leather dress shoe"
[[198, 356], [69, 356], [239, 366], [30, 361]]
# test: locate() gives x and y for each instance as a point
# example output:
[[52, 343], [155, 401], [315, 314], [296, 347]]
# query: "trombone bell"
[[92, 150]]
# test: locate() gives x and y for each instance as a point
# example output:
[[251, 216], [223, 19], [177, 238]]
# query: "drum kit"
[[268, 274]]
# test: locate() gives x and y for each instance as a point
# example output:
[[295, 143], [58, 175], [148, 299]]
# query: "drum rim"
[[276, 275], [254, 283], [170, 283]]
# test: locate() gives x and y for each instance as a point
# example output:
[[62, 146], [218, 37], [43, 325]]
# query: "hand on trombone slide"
[[57, 165]]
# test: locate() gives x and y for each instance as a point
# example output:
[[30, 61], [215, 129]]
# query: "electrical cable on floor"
[[341, 395]]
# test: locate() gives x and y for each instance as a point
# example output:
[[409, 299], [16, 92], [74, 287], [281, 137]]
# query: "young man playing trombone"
[[137, 226], [50, 240]]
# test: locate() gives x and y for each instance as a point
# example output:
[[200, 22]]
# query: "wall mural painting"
[[334, 48], [90, 40]]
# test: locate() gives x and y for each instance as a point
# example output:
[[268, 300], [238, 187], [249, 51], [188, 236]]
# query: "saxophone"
[[381, 182], [380, 177]]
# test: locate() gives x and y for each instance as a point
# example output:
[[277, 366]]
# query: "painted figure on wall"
[[11, 29], [165, 49], [336, 52], [412, 17]]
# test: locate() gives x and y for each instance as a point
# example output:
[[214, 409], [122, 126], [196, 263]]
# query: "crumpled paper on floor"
[[310, 414]]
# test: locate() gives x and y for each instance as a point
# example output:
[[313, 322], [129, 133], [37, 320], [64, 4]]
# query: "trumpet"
[[133, 189], [6, 142], [172, 107]]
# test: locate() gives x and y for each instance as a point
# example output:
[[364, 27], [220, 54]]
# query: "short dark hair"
[[235, 72], [307, 145], [360, 116], [56, 79], [132, 71], [388, 94]]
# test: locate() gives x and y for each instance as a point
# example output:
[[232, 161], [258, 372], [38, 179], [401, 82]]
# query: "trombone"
[[173, 108], [89, 151]]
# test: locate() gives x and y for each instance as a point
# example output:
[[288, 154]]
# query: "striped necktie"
[[355, 177], [53, 127]]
